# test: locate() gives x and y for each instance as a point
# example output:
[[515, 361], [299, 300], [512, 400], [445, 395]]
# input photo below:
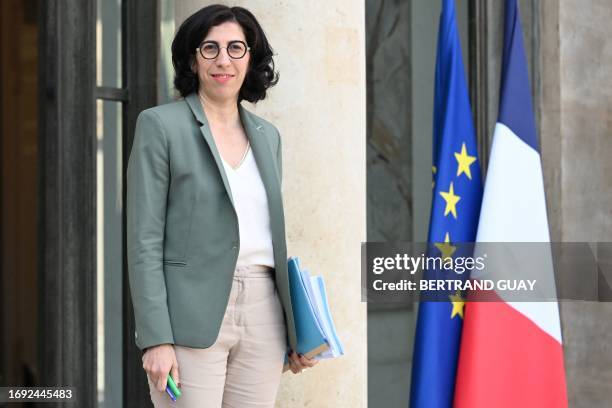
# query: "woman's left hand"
[[297, 363]]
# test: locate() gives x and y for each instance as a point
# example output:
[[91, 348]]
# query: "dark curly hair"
[[260, 75]]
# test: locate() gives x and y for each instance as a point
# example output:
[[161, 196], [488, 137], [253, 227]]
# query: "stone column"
[[319, 108], [576, 130]]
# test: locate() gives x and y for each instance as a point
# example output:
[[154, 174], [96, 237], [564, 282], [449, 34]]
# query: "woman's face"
[[221, 77]]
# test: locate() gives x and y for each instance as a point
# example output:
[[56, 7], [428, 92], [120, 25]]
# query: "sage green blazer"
[[182, 228]]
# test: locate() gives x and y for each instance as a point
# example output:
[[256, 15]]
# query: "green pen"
[[173, 387]]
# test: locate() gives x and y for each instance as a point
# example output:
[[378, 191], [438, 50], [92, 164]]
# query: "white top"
[[251, 204]]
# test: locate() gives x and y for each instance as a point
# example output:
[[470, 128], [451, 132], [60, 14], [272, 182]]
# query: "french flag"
[[511, 353]]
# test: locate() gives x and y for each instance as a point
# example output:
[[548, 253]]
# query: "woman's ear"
[[194, 65]]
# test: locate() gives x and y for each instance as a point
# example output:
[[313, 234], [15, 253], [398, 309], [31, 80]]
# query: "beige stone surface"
[[319, 108], [586, 121], [576, 130], [586, 145]]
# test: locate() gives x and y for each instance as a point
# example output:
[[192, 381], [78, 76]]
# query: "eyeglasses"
[[235, 49]]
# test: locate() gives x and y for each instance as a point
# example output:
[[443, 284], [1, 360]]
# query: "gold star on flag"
[[451, 201], [464, 161], [458, 304], [446, 249]]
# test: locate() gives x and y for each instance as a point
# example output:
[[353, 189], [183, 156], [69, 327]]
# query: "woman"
[[206, 239]]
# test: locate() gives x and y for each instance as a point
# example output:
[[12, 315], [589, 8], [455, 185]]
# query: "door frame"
[[67, 187], [67, 193], [140, 74]]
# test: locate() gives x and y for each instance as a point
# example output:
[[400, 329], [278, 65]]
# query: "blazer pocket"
[[174, 263], [178, 233]]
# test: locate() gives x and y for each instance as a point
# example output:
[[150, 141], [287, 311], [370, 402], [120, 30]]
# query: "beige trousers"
[[242, 369]]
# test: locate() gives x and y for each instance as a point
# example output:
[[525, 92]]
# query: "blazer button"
[[234, 247]]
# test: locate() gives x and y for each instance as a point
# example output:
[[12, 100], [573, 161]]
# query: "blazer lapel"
[[196, 107], [265, 158]]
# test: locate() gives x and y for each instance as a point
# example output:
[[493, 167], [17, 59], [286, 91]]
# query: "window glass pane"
[[109, 253], [109, 207], [166, 72], [108, 43]]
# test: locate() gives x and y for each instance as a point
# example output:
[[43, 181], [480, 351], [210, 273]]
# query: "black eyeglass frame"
[[229, 44]]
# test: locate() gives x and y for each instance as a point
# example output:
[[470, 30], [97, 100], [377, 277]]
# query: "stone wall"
[[576, 56]]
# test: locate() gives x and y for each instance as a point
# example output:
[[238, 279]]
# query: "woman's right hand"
[[158, 361]]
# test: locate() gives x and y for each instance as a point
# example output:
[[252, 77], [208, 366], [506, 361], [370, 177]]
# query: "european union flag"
[[457, 194]]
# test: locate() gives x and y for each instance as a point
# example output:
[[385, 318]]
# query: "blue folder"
[[316, 334]]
